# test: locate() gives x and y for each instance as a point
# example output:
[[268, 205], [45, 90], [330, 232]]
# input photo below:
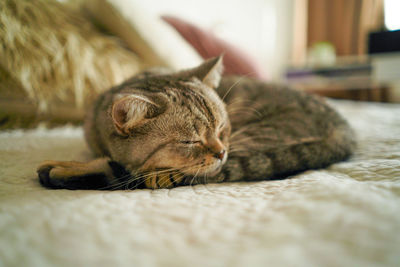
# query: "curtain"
[[344, 23]]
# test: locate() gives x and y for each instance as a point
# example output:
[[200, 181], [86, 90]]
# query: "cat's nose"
[[220, 155]]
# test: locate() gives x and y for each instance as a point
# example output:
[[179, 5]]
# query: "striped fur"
[[177, 129]]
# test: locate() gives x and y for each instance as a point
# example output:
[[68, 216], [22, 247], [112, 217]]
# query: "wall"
[[263, 28]]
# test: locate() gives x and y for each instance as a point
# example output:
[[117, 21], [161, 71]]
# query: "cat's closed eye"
[[223, 133], [190, 142]]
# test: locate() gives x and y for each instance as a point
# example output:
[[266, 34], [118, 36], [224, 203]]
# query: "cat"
[[162, 130]]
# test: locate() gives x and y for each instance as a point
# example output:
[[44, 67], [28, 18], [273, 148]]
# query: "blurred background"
[[57, 56], [339, 48]]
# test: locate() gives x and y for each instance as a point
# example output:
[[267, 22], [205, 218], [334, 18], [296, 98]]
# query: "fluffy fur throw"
[[54, 53]]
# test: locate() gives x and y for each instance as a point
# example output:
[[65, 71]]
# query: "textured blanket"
[[345, 215]]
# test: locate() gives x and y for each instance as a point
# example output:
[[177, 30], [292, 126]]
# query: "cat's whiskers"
[[144, 176], [237, 101], [240, 150], [241, 112], [247, 138], [170, 178], [122, 184], [150, 175], [243, 146], [243, 129], [194, 177], [153, 174], [206, 184], [244, 75], [187, 168], [230, 88], [162, 184], [112, 186], [249, 110], [138, 176], [242, 105]]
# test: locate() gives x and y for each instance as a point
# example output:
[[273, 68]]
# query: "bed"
[[345, 215]]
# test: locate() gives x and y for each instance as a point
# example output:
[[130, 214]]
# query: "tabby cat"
[[162, 130]]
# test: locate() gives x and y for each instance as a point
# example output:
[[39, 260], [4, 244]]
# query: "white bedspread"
[[346, 215]]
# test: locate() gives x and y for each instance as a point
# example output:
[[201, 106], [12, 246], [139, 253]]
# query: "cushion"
[[51, 53], [208, 45]]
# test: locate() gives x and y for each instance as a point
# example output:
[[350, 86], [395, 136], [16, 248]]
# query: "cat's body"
[[163, 130]]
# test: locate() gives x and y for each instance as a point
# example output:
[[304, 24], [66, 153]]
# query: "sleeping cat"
[[162, 130]]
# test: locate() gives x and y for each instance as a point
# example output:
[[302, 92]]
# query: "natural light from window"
[[392, 18]]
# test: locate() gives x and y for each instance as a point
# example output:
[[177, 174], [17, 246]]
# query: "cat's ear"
[[209, 72], [129, 111]]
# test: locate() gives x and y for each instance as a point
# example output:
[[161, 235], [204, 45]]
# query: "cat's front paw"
[[162, 180], [43, 172], [55, 174], [95, 174]]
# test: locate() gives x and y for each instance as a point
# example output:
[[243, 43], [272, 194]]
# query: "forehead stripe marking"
[[208, 110], [205, 109]]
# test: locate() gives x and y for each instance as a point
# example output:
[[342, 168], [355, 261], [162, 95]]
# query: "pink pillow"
[[207, 45]]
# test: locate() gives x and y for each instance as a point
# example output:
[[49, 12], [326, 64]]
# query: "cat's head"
[[175, 121]]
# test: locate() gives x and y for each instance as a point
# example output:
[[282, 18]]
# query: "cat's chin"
[[210, 170], [214, 172]]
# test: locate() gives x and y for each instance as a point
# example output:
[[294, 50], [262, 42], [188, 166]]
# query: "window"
[[392, 18]]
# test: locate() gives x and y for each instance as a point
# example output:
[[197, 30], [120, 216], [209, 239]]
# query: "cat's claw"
[[43, 172]]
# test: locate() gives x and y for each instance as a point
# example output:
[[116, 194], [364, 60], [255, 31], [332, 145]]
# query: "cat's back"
[[234, 88], [287, 114], [272, 101]]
